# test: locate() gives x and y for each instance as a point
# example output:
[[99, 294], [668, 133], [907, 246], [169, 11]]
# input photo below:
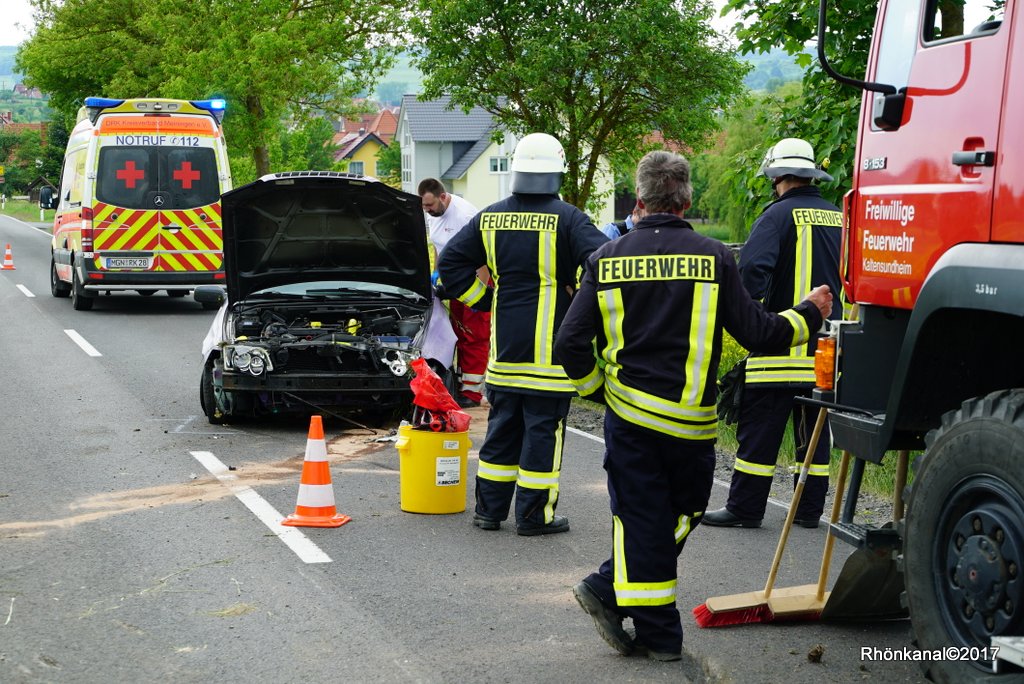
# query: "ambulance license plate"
[[127, 262]]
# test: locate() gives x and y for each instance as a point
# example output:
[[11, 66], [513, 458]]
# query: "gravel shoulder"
[[872, 509]]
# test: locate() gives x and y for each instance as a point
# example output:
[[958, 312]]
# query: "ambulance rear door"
[[157, 194]]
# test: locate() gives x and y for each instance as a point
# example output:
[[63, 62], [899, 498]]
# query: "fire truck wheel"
[[963, 546], [79, 300], [208, 399], [58, 288]]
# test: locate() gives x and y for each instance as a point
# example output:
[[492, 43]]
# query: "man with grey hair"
[[644, 336]]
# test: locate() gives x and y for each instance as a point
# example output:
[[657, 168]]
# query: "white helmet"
[[537, 165], [792, 157]]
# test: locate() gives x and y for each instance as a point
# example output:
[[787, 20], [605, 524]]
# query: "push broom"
[[790, 603]]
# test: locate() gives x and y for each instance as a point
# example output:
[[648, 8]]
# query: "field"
[[24, 210]]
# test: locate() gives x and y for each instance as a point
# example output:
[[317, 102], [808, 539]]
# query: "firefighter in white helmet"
[[534, 244], [794, 243]]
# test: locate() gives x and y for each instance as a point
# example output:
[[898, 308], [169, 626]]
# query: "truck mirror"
[[46, 197], [887, 110]]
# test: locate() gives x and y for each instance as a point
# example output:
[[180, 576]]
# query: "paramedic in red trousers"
[[446, 214], [644, 336], [794, 243], [533, 243]]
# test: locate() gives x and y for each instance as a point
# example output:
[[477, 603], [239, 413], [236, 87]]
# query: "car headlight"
[[254, 360], [397, 361]]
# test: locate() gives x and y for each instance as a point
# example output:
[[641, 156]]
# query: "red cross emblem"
[[129, 174], [186, 175]]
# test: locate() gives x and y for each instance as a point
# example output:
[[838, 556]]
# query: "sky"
[[15, 12]]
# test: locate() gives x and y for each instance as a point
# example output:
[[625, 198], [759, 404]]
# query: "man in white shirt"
[[446, 215]]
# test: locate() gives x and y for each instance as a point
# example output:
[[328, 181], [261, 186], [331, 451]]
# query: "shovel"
[[869, 585]]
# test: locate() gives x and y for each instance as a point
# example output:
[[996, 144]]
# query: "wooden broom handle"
[[819, 424], [837, 503]]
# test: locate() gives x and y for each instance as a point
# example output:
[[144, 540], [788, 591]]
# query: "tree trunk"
[[260, 153]]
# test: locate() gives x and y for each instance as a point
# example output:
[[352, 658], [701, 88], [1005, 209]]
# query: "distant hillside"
[[771, 70], [7, 76]]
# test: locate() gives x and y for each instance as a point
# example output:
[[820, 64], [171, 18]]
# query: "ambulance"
[[139, 202]]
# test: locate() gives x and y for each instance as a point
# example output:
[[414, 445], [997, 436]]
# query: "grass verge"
[[24, 210]]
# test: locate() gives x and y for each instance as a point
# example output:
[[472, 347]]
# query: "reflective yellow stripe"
[[815, 469], [474, 294], [800, 331], [590, 383], [536, 480], [685, 526], [544, 333], [650, 421], [754, 468], [610, 303], [497, 473], [702, 337], [511, 379], [648, 402], [635, 593], [779, 362], [548, 371]]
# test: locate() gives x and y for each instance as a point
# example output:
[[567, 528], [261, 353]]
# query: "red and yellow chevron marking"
[[197, 246]]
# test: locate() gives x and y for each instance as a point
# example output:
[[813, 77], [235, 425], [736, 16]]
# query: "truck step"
[[866, 536]]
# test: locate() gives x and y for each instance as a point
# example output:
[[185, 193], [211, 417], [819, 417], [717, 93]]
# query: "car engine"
[[290, 339]]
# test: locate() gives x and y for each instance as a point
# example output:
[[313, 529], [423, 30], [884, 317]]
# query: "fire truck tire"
[[58, 288], [963, 548], [79, 300], [208, 398]]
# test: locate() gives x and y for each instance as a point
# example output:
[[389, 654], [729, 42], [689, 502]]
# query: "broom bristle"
[[705, 618]]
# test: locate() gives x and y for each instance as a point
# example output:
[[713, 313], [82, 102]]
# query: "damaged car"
[[327, 302]]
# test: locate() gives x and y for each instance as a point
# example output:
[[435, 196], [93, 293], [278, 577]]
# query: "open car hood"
[[303, 226]]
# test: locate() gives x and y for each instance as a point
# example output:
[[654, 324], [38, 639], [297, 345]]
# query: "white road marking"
[[81, 342], [306, 550], [25, 290], [720, 483]]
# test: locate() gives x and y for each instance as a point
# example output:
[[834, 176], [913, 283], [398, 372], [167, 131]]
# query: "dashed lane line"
[[81, 342], [305, 549]]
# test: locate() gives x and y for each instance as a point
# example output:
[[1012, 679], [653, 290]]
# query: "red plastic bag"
[[428, 389]]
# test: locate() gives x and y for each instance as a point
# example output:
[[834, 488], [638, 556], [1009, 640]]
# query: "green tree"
[[599, 75], [309, 147], [389, 164], [826, 114], [272, 60]]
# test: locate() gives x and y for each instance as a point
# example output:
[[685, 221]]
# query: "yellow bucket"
[[432, 470]]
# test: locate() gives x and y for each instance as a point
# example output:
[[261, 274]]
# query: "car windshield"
[[151, 177], [334, 288]]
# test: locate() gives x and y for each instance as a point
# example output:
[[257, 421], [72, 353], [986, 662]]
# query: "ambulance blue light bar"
[[102, 102], [215, 106]]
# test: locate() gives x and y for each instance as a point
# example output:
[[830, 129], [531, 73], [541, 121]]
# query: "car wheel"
[[146, 293], [79, 300], [963, 547], [176, 294], [58, 288], [208, 397]]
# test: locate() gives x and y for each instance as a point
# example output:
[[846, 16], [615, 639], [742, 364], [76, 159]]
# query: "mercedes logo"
[[158, 201]]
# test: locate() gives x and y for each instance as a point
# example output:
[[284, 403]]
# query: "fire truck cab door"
[[929, 184]]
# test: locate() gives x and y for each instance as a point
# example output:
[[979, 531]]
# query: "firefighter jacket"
[[644, 333], [793, 247], [534, 246]]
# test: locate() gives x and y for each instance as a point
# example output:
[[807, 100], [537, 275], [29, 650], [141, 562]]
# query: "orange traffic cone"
[[8, 260], [315, 505]]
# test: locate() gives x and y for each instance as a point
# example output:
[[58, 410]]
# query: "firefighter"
[[793, 243], [446, 214], [644, 336], [534, 244]]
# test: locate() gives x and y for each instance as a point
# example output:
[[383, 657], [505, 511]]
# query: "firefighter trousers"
[[659, 487], [764, 414], [521, 455], [473, 333]]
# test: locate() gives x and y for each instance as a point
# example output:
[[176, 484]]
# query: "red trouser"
[[473, 330]]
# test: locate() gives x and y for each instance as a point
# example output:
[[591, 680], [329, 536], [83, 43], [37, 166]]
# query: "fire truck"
[[933, 249]]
